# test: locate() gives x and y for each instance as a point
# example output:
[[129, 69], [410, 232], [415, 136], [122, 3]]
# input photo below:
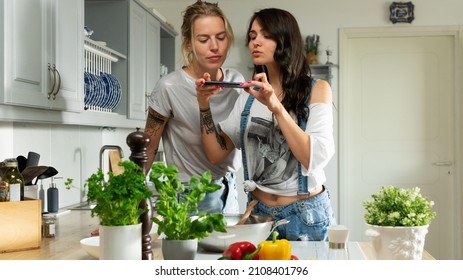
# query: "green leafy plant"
[[177, 222], [69, 183], [118, 198], [394, 206], [312, 43]]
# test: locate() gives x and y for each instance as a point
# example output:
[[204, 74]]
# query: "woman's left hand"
[[204, 93], [263, 91]]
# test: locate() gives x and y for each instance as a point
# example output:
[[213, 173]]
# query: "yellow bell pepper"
[[275, 249]]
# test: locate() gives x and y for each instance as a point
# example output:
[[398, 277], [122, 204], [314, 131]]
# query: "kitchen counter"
[[74, 225]]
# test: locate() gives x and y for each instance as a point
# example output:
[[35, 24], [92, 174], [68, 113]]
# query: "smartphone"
[[223, 84]]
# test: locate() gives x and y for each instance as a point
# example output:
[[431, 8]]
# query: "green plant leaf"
[[394, 206], [177, 222], [118, 199]]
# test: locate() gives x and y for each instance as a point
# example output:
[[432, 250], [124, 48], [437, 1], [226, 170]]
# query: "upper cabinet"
[[42, 55], [145, 51], [47, 61]]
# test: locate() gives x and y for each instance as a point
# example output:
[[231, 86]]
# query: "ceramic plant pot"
[[179, 249], [397, 243], [312, 58], [120, 242]]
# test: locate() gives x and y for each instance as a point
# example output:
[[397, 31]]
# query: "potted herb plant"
[[311, 48], [398, 221], [176, 220], [117, 206]]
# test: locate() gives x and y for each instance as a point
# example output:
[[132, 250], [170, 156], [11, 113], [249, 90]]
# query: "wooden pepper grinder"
[[138, 142]]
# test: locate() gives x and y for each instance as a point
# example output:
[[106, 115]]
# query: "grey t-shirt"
[[174, 96]]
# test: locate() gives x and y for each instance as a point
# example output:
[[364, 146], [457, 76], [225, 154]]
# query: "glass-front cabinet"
[[131, 28]]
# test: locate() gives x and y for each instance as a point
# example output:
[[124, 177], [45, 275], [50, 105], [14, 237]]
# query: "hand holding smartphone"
[[223, 84]]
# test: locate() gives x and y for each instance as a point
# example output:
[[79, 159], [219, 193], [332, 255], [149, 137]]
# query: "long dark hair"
[[281, 26]]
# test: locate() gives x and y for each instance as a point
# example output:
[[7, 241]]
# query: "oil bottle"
[[13, 180]]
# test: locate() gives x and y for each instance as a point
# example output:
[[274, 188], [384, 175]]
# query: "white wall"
[[72, 150], [323, 17]]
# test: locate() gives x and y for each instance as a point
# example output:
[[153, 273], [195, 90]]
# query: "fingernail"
[[249, 81], [241, 84], [202, 82]]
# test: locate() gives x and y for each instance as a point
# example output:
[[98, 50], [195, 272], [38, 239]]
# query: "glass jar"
[[338, 239], [48, 225]]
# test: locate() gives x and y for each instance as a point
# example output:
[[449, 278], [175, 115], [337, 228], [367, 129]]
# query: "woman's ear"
[[188, 45]]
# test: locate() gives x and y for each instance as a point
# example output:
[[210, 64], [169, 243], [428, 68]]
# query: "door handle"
[[147, 96], [58, 86], [443, 163], [51, 71]]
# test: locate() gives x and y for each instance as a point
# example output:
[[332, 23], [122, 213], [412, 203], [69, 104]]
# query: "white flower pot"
[[397, 243], [179, 249], [120, 242]]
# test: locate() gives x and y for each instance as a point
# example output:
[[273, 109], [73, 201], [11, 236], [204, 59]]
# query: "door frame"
[[346, 34]]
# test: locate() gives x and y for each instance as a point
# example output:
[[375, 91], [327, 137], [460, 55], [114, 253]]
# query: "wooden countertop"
[[74, 225]]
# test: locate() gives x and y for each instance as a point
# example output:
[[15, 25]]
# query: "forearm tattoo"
[[154, 122], [207, 124]]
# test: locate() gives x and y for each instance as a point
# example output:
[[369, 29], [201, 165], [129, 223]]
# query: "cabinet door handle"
[[147, 96], [443, 163], [58, 84], [51, 71]]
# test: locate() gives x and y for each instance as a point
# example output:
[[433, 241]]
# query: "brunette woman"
[[283, 127]]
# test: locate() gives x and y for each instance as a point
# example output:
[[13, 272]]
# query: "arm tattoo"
[[154, 122], [207, 123]]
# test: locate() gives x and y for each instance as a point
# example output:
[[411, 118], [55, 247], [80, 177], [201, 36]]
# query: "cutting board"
[[114, 159]]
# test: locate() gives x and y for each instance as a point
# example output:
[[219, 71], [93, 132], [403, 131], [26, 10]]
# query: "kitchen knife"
[[22, 162]]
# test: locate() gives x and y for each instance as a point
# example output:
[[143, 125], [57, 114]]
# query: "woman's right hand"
[[203, 92]]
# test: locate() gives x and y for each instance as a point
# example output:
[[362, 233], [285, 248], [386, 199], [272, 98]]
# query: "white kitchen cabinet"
[[144, 65], [43, 54]]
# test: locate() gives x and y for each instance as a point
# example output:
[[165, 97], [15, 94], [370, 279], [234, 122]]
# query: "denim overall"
[[309, 218]]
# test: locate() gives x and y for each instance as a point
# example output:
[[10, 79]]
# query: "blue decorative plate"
[[114, 88]]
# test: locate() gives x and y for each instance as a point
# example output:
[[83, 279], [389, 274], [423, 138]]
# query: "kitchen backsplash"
[[72, 150]]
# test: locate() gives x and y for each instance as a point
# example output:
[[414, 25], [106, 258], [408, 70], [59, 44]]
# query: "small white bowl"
[[91, 245]]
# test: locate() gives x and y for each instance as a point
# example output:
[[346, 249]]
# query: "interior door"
[[397, 124]]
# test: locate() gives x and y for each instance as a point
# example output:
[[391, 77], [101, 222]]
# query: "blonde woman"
[[174, 115]]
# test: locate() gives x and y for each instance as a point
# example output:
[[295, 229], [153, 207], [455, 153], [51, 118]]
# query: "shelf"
[[102, 51], [322, 71]]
